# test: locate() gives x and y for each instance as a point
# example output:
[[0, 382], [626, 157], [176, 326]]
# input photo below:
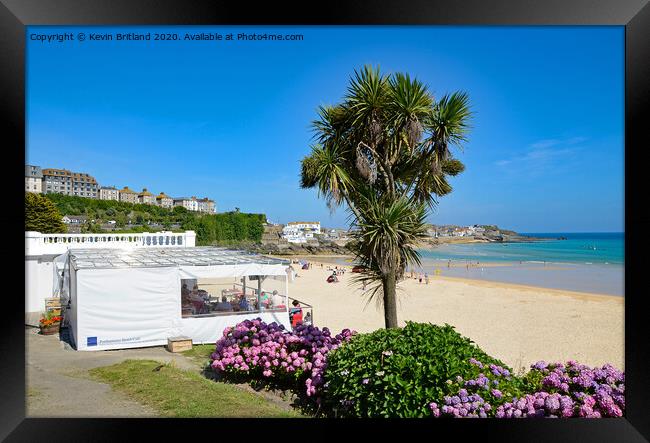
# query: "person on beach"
[[449, 264], [295, 314], [426, 278], [420, 278]]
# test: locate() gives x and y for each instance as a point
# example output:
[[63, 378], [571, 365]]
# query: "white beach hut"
[[115, 299]]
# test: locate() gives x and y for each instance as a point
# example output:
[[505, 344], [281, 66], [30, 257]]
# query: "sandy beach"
[[517, 324]]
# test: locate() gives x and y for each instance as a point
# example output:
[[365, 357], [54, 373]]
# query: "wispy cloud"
[[545, 144], [543, 155]]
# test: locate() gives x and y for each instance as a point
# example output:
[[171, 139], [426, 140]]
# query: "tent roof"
[[166, 257]]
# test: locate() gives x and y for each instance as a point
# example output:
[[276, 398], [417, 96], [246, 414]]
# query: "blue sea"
[[584, 262], [578, 248]]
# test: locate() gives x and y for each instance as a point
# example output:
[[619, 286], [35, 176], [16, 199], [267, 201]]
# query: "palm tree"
[[384, 153]]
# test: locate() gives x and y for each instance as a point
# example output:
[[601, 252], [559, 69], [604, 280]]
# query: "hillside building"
[[109, 193], [33, 179], [127, 195], [147, 198], [62, 181]]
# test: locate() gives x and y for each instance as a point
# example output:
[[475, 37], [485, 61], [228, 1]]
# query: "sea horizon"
[[555, 264], [591, 262]]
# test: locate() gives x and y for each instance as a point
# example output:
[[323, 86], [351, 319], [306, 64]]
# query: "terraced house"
[[206, 205], [146, 197], [189, 203], [109, 193], [62, 181], [164, 201], [127, 195]]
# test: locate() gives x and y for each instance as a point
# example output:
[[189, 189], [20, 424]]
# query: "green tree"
[[384, 153], [178, 210], [41, 215]]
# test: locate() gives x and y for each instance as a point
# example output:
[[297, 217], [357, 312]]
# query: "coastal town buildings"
[[455, 231], [146, 197], [127, 195], [300, 232], [33, 179], [164, 201], [109, 193], [62, 181]]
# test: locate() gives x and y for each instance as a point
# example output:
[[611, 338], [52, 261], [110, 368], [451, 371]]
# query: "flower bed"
[[553, 391], [256, 351], [417, 371]]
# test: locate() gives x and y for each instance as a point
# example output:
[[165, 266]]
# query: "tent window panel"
[[209, 297]]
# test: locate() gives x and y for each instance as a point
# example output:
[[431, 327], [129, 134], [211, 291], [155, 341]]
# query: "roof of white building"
[[165, 257]]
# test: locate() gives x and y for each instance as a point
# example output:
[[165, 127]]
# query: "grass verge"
[[177, 393], [200, 353]]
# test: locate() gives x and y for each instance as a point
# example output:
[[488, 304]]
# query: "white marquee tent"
[[115, 299]]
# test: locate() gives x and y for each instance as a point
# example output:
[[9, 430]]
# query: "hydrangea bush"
[[399, 372], [254, 350], [484, 387], [571, 390], [547, 390]]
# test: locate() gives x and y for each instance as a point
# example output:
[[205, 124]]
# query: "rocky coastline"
[[297, 249], [273, 244]]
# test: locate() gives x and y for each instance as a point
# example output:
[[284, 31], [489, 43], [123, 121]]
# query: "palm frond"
[[448, 121]]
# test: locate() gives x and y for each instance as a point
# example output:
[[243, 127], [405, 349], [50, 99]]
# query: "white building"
[[164, 201], [74, 219], [191, 203], [293, 235], [300, 232], [207, 206], [33, 179], [109, 193], [306, 227]]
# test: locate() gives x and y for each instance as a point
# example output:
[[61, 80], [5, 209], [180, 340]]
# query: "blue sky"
[[231, 120]]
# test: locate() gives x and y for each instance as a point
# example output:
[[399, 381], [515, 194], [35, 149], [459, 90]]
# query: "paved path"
[[58, 383]]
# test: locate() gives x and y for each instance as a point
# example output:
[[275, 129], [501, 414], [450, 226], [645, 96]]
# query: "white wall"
[[39, 275], [126, 308]]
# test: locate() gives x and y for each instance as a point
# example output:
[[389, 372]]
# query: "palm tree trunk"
[[390, 299]]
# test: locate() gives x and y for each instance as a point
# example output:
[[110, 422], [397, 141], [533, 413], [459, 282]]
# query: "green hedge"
[[224, 228]]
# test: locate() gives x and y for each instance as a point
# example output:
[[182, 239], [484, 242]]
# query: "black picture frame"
[[634, 15]]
